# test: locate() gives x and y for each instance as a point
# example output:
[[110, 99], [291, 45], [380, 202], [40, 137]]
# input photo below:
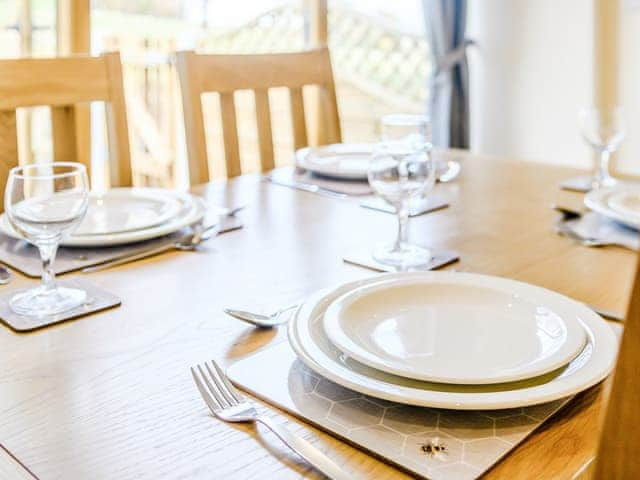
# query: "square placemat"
[[293, 177], [24, 257], [97, 301], [363, 258], [420, 207], [470, 442]]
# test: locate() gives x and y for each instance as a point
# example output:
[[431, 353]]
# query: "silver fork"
[[226, 403]]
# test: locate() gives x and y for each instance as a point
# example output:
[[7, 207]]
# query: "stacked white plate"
[[453, 340], [127, 215], [343, 161], [621, 203]]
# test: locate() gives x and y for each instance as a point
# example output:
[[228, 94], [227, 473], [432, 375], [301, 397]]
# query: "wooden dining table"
[[111, 395]]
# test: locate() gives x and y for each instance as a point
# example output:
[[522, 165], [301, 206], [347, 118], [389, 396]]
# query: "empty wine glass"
[[603, 129], [43, 202], [402, 169]]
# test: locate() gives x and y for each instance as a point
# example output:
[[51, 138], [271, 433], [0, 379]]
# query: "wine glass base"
[[604, 182], [41, 302], [406, 256]]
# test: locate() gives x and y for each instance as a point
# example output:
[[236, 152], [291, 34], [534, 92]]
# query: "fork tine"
[[206, 396], [213, 389], [230, 388], [221, 387]]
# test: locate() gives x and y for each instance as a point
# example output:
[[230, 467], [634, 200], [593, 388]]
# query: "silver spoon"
[[452, 171], [186, 243], [5, 275], [259, 320]]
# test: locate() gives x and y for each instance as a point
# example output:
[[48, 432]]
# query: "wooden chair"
[[619, 449], [61, 83], [225, 74]]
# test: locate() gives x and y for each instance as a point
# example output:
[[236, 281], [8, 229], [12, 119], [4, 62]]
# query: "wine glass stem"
[[603, 167], [48, 255], [403, 220]]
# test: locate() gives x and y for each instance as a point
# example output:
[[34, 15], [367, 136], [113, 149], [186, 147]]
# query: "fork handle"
[[306, 450]]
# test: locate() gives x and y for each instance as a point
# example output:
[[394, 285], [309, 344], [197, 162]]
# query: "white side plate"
[[121, 210], [307, 337], [466, 329]]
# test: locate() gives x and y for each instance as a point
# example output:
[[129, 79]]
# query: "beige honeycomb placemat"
[[428, 442]]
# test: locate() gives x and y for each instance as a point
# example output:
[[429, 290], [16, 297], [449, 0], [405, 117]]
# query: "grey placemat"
[[417, 207], [601, 229], [97, 301], [403, 435], [362, 257], [296, 178], [24, 257]]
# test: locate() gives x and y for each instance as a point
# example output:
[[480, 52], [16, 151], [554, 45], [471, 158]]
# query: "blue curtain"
[[449, 84]]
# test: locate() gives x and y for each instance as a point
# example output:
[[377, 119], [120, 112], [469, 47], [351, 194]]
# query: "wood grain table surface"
[[111, 396]]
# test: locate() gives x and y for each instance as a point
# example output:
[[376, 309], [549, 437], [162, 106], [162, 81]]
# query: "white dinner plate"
[[307, 338], [344, 161], [192, 211], [121, 210], [608, 202], [626, 201], [466, 329], [347, 161]]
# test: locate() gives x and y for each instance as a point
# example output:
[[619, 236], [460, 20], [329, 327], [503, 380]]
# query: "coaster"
[[23, 257], [422, 206], [578, 184], [363, 258], [97, 301]]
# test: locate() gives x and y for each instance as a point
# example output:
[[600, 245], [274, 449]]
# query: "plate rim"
[[302, 155], [196, 211], [335, 333], [156, 194], [596, 201], [601, 361]]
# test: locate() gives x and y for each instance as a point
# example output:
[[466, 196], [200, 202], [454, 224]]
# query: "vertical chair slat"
[[297, 118], [63, 128], [265, 136], [193, 117], [118, 129], [8, 148], [230, 134]]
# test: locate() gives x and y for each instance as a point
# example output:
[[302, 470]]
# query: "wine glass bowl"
[[43, 202], [401, 170], [603, 130]]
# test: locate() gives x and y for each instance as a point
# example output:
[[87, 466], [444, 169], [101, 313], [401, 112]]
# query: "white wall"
[[530, 75], [629, 158]]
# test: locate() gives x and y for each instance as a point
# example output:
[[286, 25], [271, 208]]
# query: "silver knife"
[[309, 187]]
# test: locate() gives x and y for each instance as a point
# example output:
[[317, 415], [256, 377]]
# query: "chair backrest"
[[225, 74], [61, 83], [619, 451]]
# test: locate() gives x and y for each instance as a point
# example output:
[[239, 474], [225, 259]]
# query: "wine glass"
[[603, 129], [402, 169], [43, 202]]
